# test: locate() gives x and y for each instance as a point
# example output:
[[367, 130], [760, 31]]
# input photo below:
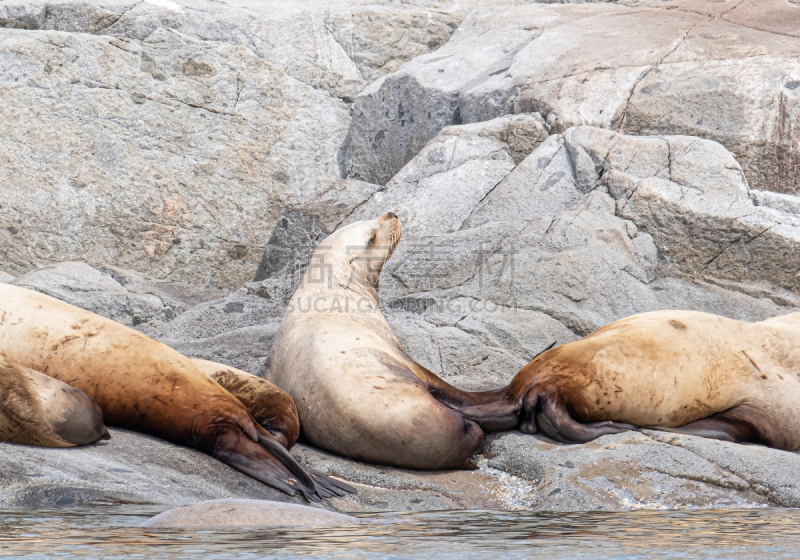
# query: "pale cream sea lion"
[[357, 392], [681, 371], [246, 513], [143, 385], [267, 404], [39, 410]]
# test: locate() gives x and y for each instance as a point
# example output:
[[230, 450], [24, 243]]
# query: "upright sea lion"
[[38, 410], [142, 384], [680, 371], [357, 391], [267, 404]]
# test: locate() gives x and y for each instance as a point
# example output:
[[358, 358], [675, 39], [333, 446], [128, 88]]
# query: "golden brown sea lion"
[[680, 371], [357, 391], [144, 385], [38, 410], [268, 405]]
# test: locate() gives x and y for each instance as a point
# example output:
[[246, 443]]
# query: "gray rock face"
[[647, 470], [122, 295], [129, 468], [727, 71], [499, 261], [591, 227], [184, 128]]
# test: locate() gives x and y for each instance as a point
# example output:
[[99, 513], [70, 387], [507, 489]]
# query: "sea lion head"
[[360, 250]]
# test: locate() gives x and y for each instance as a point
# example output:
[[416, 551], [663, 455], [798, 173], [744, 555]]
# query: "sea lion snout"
[[390, 215]]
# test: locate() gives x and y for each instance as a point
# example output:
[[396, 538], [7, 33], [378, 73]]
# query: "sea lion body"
[[357, 392], [681, 371], [143, 385], [39, 410]]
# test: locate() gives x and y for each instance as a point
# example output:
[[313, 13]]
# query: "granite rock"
[[122, 295], [184, 128], [726, 71]]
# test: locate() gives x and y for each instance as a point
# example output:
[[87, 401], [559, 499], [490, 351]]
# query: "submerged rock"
[[246, 513]]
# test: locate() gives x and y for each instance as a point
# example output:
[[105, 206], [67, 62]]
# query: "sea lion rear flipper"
[[493, 417], [450, 396], [741, 424], [554, 421]]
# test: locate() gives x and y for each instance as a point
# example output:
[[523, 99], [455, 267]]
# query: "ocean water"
[[113, 532]]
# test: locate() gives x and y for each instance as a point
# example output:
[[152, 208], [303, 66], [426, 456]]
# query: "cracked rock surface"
[[727, 70], [555, 167], [168, 137]]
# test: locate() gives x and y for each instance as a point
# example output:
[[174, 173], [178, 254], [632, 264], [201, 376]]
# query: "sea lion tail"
[[495, 416]]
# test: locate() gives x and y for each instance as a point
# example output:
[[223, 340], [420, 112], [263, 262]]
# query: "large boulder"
[[122, 295], [168, 137], [726, 71], [589, 228]]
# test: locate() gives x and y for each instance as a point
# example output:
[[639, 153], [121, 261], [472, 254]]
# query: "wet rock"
[[130, 468], [517, 471], [133, 468], [645, 470]]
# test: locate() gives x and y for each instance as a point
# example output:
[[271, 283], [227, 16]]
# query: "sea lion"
[[357, 392], [143, 385], [680, 371], [39, 410], [246, 513], [267, 404]]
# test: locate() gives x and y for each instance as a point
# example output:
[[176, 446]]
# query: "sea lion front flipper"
[[741, 424], [264, 459], [324, 485]]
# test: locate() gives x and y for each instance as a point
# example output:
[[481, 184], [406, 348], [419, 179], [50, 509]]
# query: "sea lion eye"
[[372, 239]]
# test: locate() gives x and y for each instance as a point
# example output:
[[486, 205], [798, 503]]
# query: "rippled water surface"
[[112, 532]]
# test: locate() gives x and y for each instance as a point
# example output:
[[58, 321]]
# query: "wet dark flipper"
[[266, 461], [554, 421], [493, 417], [335, 487], [741, 424], [712, 429], [326, 487]]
